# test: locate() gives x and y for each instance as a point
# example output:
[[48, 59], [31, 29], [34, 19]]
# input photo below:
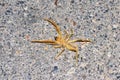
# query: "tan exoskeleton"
[[61, 41]]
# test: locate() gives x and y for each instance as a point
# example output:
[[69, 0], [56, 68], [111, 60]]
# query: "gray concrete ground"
[[22, 21]]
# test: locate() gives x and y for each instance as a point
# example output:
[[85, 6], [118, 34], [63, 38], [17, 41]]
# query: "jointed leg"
[[55, 26], [58, 46], [79, 40], [68, 36], [76, 56], [44, 41], [59, 53], [71, 32], [66, 32]]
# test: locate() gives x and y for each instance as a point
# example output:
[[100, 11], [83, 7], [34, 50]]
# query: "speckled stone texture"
[[22, 21]]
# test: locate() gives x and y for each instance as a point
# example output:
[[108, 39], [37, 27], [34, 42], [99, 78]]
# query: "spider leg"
[[58, 46], [68, 36], [79, 40], [71, 33], [44, 41], [76, 56], [66, 32], [59, 53], [55, 26]]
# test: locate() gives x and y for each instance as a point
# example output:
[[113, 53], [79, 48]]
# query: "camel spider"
[[61, 41]]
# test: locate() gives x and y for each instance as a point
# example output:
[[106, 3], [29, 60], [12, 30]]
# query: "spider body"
[[65, 44], [61, 41]]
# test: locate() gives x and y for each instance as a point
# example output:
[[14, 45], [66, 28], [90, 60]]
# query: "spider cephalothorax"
[[61, 41]]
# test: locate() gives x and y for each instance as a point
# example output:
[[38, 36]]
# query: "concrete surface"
[[22, 21]]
